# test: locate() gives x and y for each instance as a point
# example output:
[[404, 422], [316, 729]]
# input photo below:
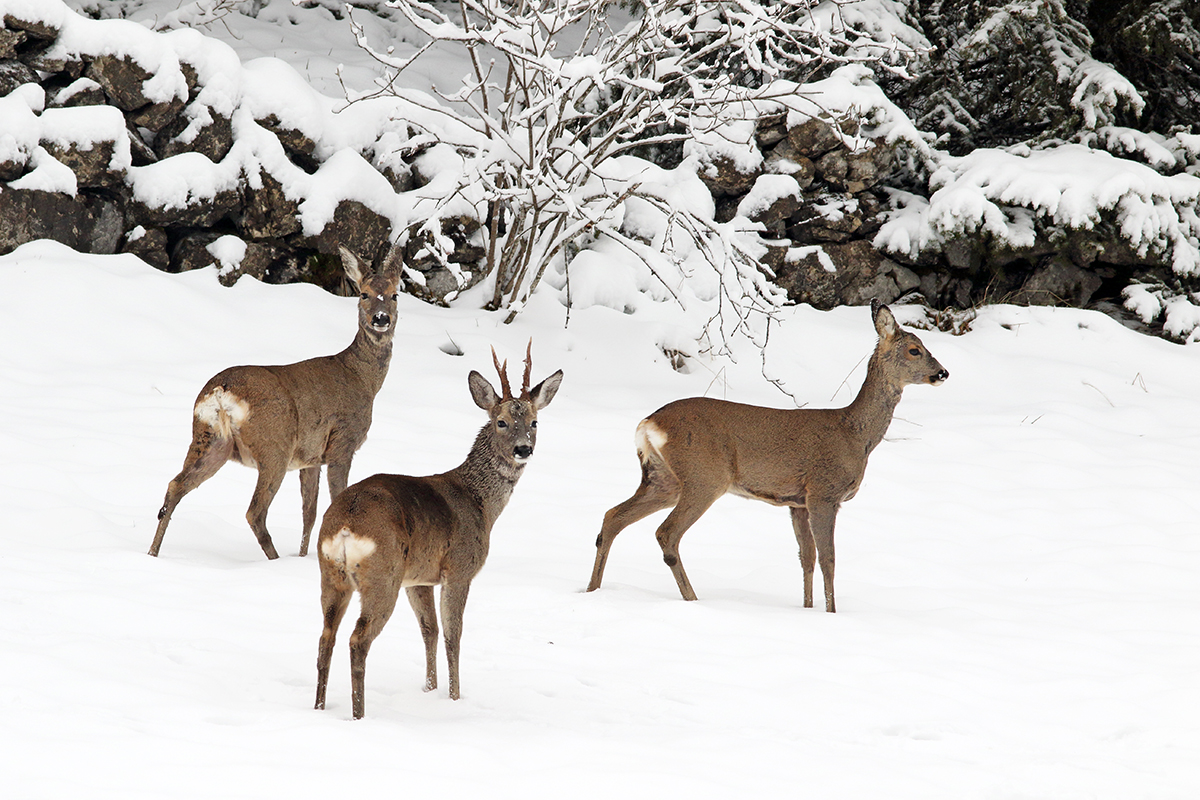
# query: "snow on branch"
[[558, 99]]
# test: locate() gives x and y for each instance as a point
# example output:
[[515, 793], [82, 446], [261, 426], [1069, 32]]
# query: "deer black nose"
[[381, 321], [939, 376], [522, 451]]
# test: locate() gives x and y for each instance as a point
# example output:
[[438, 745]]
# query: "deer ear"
[[352, 265], [482, 392], [885, 323], [393, 263], [544, 392]]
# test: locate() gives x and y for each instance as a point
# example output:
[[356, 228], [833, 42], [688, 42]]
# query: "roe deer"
[[393, 532], [810, 460], [295, 416]]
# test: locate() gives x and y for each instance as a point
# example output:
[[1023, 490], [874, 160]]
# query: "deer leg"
[[376, 610], [821, 518], [454, 601], [270, 478], [337, 475], [808, 551], [207, 454], [335, 598], [310, 478], [421, 600], [650, 496], [692, 505]]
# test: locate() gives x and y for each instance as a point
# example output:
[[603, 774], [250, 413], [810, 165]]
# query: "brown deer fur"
[[295, 416], [809, 460], [393, 532]]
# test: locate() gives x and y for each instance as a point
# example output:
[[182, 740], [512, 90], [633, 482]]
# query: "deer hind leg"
[[694, 501], [808, 551], [310, 478], [454, 601], [421, 600], [335, 599], [821, 517], [657, 491], [270, 478], [377, 607], [207, 454]]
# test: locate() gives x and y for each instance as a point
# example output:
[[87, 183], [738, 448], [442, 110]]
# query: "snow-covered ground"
[[1017, 590]]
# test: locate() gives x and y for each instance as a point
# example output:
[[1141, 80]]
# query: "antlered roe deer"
[[810, 460], [393, 532], [295, 416]]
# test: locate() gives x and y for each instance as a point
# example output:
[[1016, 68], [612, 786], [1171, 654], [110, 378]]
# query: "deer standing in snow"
[[809, 460], [295, 416], [393, 532]]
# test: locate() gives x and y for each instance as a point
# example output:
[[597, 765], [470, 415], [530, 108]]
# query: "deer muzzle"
[[381, 322], [939, 377], [522, 452]]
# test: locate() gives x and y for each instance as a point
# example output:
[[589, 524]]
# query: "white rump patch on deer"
[[222, 411], [347, 549], [649, 438]]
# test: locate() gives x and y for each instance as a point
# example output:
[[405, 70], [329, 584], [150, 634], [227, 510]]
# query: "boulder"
[[87, 222], [148, 244], [784, 159], [724, 176], [364, 231], [814, 137], [266, 211], [437, 283], [859, 274], [299, 147], [10, 43], [1057, 282], [79, 92], [14, 73], [198, 129]]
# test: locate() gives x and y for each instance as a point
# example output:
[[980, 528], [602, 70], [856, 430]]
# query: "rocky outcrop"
[[106, 151]]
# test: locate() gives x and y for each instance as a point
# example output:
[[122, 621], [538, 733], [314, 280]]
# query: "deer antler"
[[503, 370], [528, 369]]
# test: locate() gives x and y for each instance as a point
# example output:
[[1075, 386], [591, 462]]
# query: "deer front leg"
[[808, 551], [421, 600], [821, 517], [310, 478], [454, 602]]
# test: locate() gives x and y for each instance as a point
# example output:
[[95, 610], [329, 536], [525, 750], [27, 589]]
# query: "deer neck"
[[368, 356], [868, 417], [489, 475]]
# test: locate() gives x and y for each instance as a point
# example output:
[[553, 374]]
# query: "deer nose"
[[381, 321], [940, 376], [522, 451]]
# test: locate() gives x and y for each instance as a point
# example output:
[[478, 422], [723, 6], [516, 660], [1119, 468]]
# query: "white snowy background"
[[1018, 586]]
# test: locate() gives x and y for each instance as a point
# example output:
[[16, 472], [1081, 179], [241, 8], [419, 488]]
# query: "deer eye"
[[362, 296], [913, 351], [501, 424], [533, 424], [395, 297]]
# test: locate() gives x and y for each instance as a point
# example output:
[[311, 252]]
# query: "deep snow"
[[1017, 585]]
